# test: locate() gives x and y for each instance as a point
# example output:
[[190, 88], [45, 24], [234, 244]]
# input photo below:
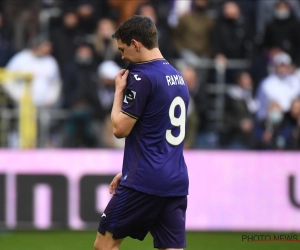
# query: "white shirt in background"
[[280, 90], [45, 86]]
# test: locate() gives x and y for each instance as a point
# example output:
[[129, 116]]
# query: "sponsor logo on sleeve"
[[129, 96]]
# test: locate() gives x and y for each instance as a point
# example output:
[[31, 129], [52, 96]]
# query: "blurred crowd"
[[67, 46]]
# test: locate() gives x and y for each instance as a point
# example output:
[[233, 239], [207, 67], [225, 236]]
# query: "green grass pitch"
[[83, 240]]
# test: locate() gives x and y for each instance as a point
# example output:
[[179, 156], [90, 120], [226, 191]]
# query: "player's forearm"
[[121, 123]]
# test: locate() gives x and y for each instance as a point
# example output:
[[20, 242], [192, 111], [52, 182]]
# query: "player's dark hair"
[[140, 28]]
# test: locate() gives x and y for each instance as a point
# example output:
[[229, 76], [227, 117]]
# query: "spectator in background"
[[46, 85], [190, 76], [6, 52], [107, 71], [125, 9], [294, 143], [193, 34], [249, 9], [105, 46], [196, 131], [240, 109], [265, 13], [282, 86], [6, 46], [282, 33], [65, 38], [164, 32], [100, 8], [22, 21], [232, 39], [80, 96], [273, 132], [87, 21], [177, 10]]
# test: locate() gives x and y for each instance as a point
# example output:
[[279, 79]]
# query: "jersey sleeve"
[[136, 94]]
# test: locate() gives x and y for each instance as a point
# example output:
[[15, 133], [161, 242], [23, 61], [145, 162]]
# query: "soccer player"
[[150, 107]]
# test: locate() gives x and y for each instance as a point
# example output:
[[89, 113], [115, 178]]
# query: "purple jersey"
[[157, 96]]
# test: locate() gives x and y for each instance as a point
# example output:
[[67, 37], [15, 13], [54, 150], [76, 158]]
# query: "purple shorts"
[[133, 213]]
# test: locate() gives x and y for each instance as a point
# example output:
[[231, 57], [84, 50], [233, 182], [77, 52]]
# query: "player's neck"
[[149, 55]]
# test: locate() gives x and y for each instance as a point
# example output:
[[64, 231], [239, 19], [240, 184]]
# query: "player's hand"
[[120, 79], [115, 183]]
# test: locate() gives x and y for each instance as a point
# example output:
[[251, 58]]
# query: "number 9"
[[177, 121]]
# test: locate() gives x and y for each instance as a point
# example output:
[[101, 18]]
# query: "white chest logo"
[[137, 77]]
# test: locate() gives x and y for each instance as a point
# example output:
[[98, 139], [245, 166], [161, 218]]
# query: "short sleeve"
[[136, 94]]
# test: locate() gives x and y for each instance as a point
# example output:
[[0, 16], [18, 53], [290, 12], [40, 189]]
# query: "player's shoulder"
[[148, 65], [138, 76], [138, 73], [151, 70]]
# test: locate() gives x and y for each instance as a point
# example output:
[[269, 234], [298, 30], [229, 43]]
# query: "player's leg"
[[169, 228], [128, 213], [106, 242]]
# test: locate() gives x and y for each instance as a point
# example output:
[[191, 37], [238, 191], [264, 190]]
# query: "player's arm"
[[115, 183], [122, 124]]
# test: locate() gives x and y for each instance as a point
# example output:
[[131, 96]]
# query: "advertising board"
[[50, 189]]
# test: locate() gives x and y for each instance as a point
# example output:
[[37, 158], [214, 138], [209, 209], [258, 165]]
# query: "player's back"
[[158, 97]]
